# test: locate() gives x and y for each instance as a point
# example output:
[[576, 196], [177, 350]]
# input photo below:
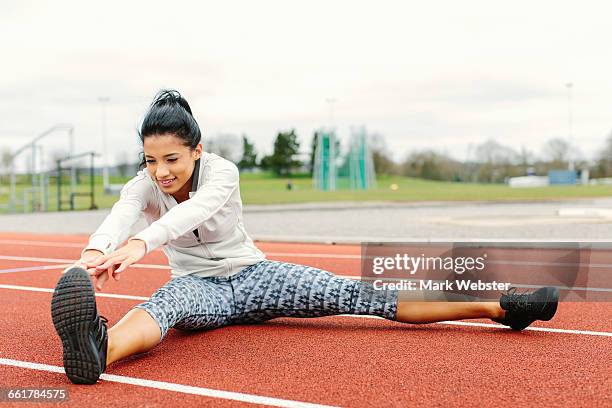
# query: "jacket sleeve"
[[116, 227], [221, 183]]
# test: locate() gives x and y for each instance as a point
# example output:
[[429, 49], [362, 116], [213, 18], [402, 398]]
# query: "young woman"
[[191, 200]]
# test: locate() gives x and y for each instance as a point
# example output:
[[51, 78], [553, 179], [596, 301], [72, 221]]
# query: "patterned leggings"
[[262, 292]]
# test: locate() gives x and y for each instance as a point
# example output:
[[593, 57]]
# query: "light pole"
[[103, 101], [331, 102], [570, 158], [332, 145]]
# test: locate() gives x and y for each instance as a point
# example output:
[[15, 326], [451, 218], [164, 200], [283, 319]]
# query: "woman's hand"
[[88, 255], [104, 267]]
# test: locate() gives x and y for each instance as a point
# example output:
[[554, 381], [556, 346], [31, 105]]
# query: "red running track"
[[339, 361]]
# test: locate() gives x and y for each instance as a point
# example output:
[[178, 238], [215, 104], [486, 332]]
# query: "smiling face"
[[171, 163]]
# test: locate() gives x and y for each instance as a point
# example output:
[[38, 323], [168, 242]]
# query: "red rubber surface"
[[342, 361]]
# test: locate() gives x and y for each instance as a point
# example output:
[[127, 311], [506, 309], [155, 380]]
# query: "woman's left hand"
[[125, 256]]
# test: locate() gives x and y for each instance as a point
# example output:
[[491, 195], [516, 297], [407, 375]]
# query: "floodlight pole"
[[332, 145], [570, 159]]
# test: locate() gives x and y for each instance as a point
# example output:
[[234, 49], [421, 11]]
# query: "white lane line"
[[167, 267], [309, 255], [49, 290], [43, 243], [35, 259], [542, 329], [71, 261], [497, 261], [48, 243], [167, 386], [35, 268], [313, 255], [496, 326], [499, 326]]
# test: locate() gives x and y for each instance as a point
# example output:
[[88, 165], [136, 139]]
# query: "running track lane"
[[340, 360], [143, 282], [367, 354]]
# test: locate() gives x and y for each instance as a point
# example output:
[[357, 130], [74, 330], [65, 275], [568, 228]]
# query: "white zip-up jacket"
[[202, 236]]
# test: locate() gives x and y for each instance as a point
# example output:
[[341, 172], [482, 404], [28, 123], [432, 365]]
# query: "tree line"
[[488, 162]]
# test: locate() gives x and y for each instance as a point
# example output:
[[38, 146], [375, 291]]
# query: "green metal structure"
[[354, 170]]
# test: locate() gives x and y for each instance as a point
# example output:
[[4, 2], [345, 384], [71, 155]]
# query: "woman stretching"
[[191, 201]]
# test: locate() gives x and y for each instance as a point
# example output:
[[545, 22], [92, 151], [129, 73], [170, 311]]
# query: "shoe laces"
[[517, 301]]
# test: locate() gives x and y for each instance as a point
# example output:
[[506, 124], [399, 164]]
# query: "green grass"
[[264, 188]]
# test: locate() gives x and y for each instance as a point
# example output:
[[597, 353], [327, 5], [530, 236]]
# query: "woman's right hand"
[[88, 256]]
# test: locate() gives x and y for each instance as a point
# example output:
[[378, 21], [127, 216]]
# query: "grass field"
[[264, 188]]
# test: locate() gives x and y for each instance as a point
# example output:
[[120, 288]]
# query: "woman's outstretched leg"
[[272, 289], [275, 289], [516, 310], [431, 312], [137, 332]]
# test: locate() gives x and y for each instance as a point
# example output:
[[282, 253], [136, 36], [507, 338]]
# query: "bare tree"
[[557, 151], [432, 165], [383, 163], [603, 165], [525, 159], [228, 146], [495, 153], [496, 161]]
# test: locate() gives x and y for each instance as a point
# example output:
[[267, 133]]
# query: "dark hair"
[[170, 113]]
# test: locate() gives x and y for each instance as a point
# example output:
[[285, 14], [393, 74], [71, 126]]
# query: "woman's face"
[[170, 162]]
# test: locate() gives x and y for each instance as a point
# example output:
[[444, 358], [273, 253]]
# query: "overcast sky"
[[439, 74]]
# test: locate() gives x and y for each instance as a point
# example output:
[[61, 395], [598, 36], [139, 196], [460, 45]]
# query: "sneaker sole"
[[552, 300], [73, 309]]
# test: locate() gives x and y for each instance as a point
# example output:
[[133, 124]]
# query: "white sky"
[[439, 74]]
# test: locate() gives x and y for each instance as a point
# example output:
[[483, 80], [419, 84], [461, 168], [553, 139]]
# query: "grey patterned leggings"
[[262, 292]]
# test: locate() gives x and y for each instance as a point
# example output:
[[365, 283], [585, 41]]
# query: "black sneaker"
[[83, 333], [522, 309]]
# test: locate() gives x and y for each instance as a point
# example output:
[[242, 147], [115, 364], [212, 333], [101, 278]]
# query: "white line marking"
[[71, 261], [499, 326], [166, 267], [129, 297], [35, 268], [43, 243], [48, 290], [497, 262], [542, 329], [35, 259], [167, 386], [309, 255], [48, 244], [313, 255]]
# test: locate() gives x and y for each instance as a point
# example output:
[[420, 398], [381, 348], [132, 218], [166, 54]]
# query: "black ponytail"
[[170, 113]]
